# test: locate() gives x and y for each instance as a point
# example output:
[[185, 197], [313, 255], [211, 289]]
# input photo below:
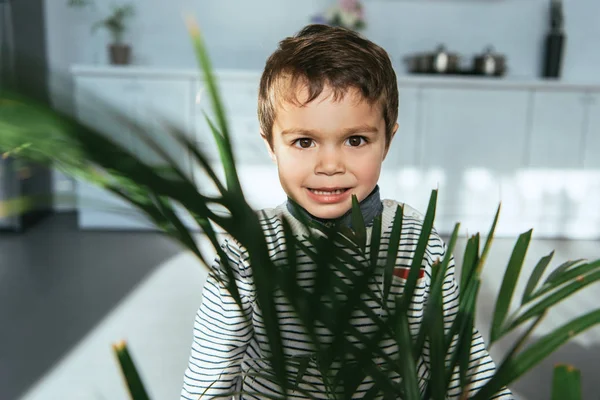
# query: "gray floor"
[[56, 284]]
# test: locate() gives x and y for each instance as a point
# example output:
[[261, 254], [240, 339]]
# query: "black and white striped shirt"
[[226, 347]]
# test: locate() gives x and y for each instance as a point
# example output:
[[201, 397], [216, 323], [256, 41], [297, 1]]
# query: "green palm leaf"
[[392, 253], [470, 262], [566, 383], [417, 260], [535, 277], [508, 285], [137, 391], [510, 370]]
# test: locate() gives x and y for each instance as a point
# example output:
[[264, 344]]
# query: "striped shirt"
[[230, 342]]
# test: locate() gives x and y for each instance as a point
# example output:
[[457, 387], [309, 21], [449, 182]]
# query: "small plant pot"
[[120, 54]]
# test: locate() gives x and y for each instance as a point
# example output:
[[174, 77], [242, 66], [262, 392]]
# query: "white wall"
[[241, 34]]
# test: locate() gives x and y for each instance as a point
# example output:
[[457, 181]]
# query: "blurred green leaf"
[[436, 293], [470, 262], [561, 269], [129, 371], [566, 383], [436, 336], [535, 277], [419, 254], [488, 243], [390, 263], [375, 244], [512, 369], [578, 272], [511, 276], [553, 299], [358, 224], [406, 360]]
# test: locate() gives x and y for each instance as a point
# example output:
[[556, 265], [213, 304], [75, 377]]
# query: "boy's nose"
[[330, 162]]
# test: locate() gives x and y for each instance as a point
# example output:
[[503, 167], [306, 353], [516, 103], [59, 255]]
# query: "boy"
[[328, 104]]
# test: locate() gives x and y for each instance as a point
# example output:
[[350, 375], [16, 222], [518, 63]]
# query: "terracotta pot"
[[120, 54]]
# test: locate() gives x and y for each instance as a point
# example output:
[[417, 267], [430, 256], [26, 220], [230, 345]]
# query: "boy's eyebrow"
[[348, 131]]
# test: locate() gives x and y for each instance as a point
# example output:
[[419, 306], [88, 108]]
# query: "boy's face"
[[328, 150]]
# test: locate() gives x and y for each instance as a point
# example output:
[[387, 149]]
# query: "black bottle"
[[555, 41]]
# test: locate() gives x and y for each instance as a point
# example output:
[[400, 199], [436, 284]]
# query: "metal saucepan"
[[438, 62], [489, 63]]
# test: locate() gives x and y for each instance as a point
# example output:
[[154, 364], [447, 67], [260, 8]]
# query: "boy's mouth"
[[328, 191]]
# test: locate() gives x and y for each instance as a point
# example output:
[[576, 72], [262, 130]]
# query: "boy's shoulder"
[[391, 206]]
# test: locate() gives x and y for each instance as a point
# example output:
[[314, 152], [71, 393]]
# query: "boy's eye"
[[303, 143], [356, 141]]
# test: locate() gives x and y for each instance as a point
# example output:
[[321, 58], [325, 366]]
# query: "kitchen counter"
[[463, 81]]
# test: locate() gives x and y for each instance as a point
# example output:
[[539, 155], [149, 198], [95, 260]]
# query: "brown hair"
[[321, 55]]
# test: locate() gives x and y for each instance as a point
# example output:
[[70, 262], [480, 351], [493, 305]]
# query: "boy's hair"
[[322, 55]]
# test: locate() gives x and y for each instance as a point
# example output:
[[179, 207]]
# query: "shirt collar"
[[370, 208]]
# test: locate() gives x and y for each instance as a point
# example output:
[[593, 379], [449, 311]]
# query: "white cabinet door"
[[240, 98], [151, 102], [98, 100], [258, 175], [544, 195], [591, 156], [160, 103], [404, 150], [471, 139], [201, 111], [399, 170], [557, 130]]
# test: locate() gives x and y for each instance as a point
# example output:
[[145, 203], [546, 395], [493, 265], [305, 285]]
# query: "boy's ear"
[[391, 138], [268, 146]]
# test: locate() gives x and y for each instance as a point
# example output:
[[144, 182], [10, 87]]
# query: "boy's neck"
[[370, 208]]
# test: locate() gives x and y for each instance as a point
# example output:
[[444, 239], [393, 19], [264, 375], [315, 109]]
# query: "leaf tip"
[[192, 26], [120, 345]]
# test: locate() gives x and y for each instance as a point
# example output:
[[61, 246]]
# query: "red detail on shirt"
[[403, 272]]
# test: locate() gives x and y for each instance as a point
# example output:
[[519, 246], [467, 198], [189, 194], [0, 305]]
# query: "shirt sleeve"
[[481, 366], [222, 331]]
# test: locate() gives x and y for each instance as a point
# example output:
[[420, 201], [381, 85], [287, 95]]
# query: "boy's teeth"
[[339, 191]]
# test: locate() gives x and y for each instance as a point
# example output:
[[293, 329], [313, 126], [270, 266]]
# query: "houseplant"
[[35, 130], [345, 13], [115, 23]]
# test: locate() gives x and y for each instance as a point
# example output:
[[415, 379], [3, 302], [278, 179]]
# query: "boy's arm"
[[481, 365], [221, 334]]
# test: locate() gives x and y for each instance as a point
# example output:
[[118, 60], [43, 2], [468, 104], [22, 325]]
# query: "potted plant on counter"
[[115, 23], [345, 13]]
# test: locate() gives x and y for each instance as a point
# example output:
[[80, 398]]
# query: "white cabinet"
[[470, 138], [591, 148], [473, 128], [150, 101], [557, 129], [258, 176], [534, 146], [404, 150], [400, 179], [98, 99], [158, 104], [240, 99]]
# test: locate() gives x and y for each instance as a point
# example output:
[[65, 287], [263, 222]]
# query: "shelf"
[[423, 80]]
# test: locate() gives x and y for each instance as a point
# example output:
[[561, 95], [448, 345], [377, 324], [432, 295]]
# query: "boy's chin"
[[328, 211]]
